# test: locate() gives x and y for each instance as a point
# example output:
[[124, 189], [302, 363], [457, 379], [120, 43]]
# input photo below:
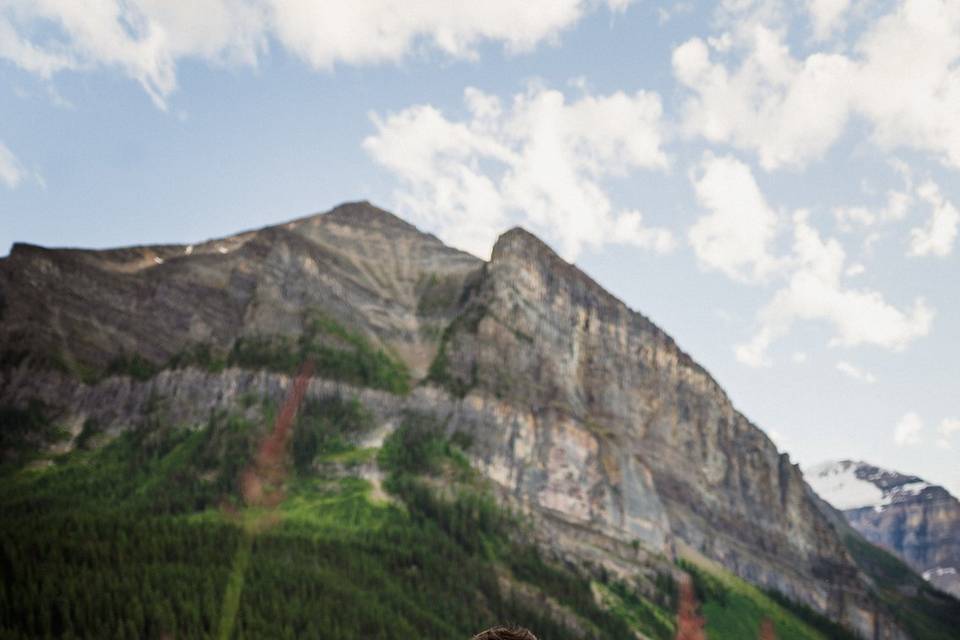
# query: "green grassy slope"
[[734, 609]]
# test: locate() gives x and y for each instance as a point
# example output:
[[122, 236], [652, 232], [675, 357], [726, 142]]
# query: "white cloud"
[[948, 428], [735, 237], [789, 111], [146, 39], [939, 234], [815, 291], [855, 372], [11, 171], [908, 431], [827, 16], [780, 440], [540, 161], [799, 357]]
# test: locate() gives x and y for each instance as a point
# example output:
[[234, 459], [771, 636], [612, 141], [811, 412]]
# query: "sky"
[[775, 183]]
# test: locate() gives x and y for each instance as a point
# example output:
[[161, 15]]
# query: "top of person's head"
[[505, 633]]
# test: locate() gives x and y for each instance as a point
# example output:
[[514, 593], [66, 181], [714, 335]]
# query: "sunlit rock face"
[[657, 434], [918, 521], [581, 412]]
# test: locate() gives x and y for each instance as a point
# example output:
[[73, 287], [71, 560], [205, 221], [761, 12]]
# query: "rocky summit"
[[622, 452]]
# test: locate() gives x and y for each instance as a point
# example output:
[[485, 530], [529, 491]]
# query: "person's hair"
[[505, 633]]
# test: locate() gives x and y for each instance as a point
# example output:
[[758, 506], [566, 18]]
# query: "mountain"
[[916, 520], [509, 417]]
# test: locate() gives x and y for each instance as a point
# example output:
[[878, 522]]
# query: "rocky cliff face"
[[917, 521], [582, 412]]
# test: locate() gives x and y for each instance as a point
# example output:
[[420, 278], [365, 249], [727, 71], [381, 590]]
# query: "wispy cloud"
[[12, 172], [939, 234], [855, 372]]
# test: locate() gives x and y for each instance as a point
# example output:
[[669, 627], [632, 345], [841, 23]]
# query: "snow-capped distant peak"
[[850, 484], [838, 484]]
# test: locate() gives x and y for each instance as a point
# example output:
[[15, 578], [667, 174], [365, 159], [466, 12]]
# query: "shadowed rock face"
[[581, 411], [361, 265], [923, 529]]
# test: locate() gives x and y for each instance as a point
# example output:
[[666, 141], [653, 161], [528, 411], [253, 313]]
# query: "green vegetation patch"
[[25, 430], [642, 615], [337, 353], [734, 610], [151, 470], [438, 294], [133, 365], [441, 372], [324, 427]]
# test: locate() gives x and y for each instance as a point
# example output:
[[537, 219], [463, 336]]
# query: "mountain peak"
[[362, 213], [519, 241], [854, 484]]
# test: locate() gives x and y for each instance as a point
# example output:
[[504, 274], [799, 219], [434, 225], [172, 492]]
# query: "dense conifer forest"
[[142, 537]]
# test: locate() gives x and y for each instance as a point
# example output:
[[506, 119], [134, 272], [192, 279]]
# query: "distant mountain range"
[[918, 521], [476, 440]]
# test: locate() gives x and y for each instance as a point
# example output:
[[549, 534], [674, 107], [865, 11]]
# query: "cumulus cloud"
[[146, 39], [938, 235], [787, 111], [909, 430], [11, 171], [815, 291], [902, 77], [855, 372], [947, 430], [539, 161], [735, 237]]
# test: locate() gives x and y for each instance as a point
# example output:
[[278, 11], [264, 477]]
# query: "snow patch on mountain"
[[938, 572], [850, 484], [838, 484]]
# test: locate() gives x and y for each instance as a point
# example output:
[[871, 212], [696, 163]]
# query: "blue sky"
[[774, 183]]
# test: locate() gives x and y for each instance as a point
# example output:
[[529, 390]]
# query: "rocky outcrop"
[[80, 310], [917, 521], [582, 412]]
